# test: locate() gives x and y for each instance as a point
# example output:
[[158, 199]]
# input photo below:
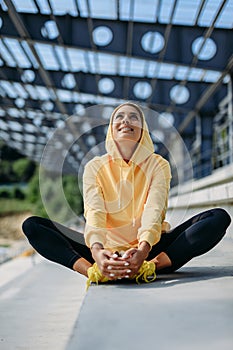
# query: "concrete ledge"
[[205, 197], [212, 191], [218, 177]]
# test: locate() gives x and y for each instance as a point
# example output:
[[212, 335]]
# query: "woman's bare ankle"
[[82, 265], [161, 261]]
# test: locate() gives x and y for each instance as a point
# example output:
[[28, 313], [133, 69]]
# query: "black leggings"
[[194, 237]]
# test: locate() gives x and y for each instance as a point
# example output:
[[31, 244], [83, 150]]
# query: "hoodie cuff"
[[149, 237], [94, 238]]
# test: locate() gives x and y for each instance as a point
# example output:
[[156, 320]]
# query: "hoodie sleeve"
[[156, 204], [94, 208]]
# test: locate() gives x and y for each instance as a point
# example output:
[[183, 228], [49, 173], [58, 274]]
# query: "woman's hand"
[[109, 264], [135, 257]]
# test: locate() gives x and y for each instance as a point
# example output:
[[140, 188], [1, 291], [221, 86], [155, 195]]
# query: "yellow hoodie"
[[125, 203]]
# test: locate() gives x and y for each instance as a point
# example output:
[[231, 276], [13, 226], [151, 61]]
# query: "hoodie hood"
[[145, 146]]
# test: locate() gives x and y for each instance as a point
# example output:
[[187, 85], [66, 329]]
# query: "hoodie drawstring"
[[133, 203], [120, 189], [133, 193]]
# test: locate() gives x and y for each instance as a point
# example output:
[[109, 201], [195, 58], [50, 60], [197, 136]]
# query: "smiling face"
[[127, 124]]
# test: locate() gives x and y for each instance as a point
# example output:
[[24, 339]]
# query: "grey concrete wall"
[[210, 192]]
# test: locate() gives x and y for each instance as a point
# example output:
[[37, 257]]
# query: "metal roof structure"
[[59, 57]]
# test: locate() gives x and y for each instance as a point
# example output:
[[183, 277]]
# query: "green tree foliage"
[[13, 166], [55, 199], [23, 169], [6, 172]]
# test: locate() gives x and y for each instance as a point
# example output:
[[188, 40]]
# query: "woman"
[[125, 202]]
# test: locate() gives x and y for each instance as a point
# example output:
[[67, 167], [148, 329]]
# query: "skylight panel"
[[165, 71], [30, 128], [62, 7], [64, 95], [93, 62], [47, 57], [82, 5], [181, 73], [4, 7], [166, 10], [103, 9], [3, 125], [77, 60], [208, 13], [186, 12], [29, 138], [211, 76], [2, 93], [20, 90], [60, 51], [107, 64], [7, 86], [43, 93], [12, 124], [19, 55], [17, 136], [44, 7], [5, 54], [32, 91], [5, 136], [2, 112], [25, 6], [29, 53], [30, 146], [123, 65], [151, 69], [196, 74], [125, 10], [145, 11], [225, 19], [137, 67]]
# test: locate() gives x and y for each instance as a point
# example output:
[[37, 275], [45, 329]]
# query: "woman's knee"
[[222, 216], [28, 225]]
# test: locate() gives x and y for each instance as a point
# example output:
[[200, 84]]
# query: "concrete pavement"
[[191, 309], [39, 303]]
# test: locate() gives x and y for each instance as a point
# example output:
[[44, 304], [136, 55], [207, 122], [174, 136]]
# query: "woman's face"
[[127, 124]]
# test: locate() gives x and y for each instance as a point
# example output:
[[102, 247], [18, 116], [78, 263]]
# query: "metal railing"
[[221, 153]]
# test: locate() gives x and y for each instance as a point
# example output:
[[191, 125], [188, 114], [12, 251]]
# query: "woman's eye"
[[119, 116], [134, 117]]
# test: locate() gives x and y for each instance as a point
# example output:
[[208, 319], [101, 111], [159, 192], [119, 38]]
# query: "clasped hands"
[[116, 267]]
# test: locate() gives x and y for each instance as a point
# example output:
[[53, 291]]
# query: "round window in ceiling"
[[20, 102], [166, 120], [179, 94], [47, 106], [50, 30], [28, 76], [152, 42], [102, 35], [142, 90], [68, 81], [106, 85], [205, 52], [79, 109], [158, 136], [91, 140]]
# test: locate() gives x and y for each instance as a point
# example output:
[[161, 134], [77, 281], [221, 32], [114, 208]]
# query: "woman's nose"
[[126, 120]]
